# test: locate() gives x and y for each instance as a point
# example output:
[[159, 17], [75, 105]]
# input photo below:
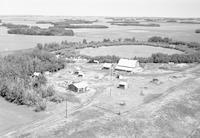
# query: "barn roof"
[[127, 63], [123, 68], [82, 84], [123, 83]]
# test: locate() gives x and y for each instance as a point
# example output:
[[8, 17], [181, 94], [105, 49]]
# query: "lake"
[[127, 51], [184, 32]]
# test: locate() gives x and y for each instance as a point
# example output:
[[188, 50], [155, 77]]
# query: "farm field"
[[127, 51], [98, 111]]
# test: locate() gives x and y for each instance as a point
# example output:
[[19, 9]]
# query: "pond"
[[128, 51]]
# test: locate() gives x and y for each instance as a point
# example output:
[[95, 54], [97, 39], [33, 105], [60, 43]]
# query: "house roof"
[[123, 68], [36, 74], [127, 63], [123, 83], [82, 84], [80, 73]]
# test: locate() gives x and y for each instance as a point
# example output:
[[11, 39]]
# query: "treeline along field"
[[18, 83]]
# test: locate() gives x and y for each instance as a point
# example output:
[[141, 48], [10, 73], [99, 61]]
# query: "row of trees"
[[77, 45], [176, 58], [158, 39], [18, 85], [103, 59]]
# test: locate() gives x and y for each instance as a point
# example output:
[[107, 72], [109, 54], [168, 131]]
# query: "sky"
[[135, 8]]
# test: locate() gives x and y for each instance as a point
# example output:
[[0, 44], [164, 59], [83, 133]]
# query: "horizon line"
[[99, 16]]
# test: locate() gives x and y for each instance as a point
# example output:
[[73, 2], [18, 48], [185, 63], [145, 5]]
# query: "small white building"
[[122, 85], [36, 74], [107, 66], [119, 77], [57, 56], [171, 63], [127, 65], [47, 73]]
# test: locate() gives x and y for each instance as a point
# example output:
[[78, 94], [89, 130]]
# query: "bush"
[[57, 98], [45, 92], [50, 91], [41, 106], [31, 97], [197, 31]]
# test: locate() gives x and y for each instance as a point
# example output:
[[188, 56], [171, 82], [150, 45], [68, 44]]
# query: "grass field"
[[127, 51]]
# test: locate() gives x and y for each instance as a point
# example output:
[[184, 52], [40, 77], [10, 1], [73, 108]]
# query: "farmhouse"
[[107, 66], [127, 65], [78, 87]]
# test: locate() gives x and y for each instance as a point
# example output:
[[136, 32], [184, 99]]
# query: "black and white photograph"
[[99, 68]]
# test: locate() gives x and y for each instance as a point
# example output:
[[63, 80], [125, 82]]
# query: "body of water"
[[184, 32]]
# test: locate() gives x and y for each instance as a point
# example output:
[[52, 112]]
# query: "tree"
[[84, 41], [39, 46]]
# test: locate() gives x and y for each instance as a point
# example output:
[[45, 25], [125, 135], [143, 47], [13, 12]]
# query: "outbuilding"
[[78, 87], [93, 61], [36, 74], [81, 74], [107, 66], [122, 85]]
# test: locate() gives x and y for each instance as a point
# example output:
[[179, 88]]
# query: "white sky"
[[156, 8]]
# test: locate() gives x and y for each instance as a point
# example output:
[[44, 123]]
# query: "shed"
[[47, 73], [78, 87], [127, 65], [81, 74], [93, 61], [57, 56], [122, 85], [107, 66], [119, 77], [36, 74]]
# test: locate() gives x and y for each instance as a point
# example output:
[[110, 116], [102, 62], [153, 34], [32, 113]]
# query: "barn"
[[127, 65]]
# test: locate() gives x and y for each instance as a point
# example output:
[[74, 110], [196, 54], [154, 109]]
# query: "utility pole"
[[66, 107]]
